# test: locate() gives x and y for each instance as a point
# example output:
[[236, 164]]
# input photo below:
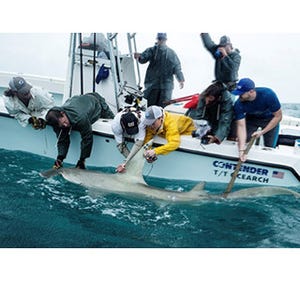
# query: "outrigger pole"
[[94, 64], [72, 55], [81, 64], [111, 37], [132, 36]]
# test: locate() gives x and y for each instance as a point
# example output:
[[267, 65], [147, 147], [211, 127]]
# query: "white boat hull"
[[192, 161]]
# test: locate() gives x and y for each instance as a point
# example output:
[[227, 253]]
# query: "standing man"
[[27, 103], [163, 65], [77, 113], [256, 107], [227, 59]]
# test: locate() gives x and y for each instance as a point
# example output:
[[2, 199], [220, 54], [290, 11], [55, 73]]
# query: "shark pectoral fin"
[[136, 165], [71, 174]]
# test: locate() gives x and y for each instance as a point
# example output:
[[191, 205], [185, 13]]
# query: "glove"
[[80, 164], [43, 123], [37, 123], [58, 162]]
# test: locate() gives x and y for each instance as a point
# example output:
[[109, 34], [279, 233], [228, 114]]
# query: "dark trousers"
[[158, 96], [270, 138]]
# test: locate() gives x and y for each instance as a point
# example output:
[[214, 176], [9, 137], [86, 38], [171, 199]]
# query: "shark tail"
[[263, 191]]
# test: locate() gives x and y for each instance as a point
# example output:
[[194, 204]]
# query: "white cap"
[[152, 113]]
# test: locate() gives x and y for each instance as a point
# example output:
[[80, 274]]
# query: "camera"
[[151, 158], [9, 93], [205, 140], [196, 134], [218, 54]]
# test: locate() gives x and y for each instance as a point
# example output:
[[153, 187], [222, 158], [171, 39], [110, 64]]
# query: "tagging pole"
[[237, 169]]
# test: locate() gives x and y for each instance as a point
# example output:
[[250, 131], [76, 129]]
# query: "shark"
[[131, 183]]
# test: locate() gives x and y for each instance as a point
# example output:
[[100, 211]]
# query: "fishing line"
[[146, 176], [46, 142]]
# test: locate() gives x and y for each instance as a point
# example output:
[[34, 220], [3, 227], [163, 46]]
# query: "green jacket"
[[226, 69], [163, 64], [218, 115], [82, 112]]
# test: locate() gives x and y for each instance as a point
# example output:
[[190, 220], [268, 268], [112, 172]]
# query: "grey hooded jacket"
[[163, 64]]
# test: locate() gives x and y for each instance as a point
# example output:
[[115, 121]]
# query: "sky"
[[269, 59]]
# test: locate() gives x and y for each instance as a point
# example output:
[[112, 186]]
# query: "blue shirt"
[[263, 107]]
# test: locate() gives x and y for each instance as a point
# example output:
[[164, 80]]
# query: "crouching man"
[[77, 113], [167, 125], [26, 103], [128, 123]]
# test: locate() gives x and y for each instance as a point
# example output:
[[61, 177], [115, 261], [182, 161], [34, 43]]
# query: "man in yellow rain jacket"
[[167, 125]]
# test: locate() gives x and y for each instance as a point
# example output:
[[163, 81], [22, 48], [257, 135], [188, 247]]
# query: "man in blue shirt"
[[256, 107]]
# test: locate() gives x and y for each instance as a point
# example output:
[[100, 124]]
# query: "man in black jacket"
[[77, 113], [164, 64]]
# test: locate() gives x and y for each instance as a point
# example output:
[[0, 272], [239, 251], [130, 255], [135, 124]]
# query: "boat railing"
[[115, 64], [131, 39], [128, 88]]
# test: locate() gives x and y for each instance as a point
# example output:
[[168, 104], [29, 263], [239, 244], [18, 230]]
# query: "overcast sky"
[[270, 59]]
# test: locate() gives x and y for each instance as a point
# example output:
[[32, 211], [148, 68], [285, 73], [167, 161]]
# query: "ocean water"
[[53, 213], [42, 213]]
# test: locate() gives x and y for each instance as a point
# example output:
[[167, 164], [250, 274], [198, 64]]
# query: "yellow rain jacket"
[[173, 126]]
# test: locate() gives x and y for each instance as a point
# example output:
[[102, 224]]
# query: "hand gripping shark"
[[131, 183]]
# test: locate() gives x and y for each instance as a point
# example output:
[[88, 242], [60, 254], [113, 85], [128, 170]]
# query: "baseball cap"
[[161, 36], [18, 84], [152, 113], [224, 40], [243, 86], [130, 123]]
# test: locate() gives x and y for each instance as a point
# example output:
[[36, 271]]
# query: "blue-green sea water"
[[38, 212], [51, 213]]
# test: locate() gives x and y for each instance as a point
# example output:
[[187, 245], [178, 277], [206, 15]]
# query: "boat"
[[192, 161]]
